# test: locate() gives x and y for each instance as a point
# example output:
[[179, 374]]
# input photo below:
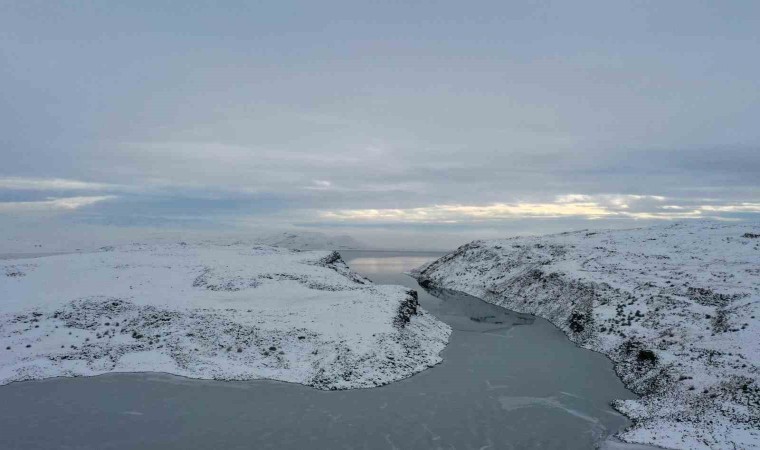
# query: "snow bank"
[[675, 307], [210, 311]]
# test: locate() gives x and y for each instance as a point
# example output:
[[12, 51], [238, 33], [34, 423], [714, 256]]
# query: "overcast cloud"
[[422, 125]]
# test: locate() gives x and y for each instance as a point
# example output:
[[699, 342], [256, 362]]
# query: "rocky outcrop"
[[407, 309]]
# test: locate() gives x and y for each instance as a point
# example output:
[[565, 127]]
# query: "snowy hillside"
[[677, 309], [210, 311]]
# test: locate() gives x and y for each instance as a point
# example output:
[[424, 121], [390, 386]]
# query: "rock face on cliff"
[[676, 308], [210, 311]]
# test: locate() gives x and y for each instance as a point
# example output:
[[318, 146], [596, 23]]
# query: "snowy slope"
[[677, 309], [210, 311]]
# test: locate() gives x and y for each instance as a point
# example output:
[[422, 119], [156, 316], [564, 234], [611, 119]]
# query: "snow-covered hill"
[[210, 311], [677, 309]]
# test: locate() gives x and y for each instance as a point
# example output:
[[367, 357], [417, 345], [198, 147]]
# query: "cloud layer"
[[380, 119]]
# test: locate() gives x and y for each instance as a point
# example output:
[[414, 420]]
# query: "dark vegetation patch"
[[577, 322]]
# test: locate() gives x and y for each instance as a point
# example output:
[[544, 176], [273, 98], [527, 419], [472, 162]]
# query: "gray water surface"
[[508, 381]]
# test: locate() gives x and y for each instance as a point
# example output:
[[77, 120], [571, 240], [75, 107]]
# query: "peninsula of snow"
[[676, 308], [213, 311]]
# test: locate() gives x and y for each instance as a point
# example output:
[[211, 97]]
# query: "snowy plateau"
[[675, 307], [214, 311]]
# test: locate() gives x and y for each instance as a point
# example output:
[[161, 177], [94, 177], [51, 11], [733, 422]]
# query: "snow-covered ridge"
[[210, 311], [676, 308]]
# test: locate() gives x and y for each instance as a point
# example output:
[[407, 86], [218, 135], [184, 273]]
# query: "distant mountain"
[[88, 238], [309, 240]]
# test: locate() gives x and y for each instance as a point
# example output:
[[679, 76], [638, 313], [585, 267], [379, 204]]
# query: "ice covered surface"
[[675, 307], [210, 311]]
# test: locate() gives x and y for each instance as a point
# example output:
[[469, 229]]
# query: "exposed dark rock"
[[407, 309], [646, 356]]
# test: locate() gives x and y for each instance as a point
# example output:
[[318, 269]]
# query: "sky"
[[402, 124]]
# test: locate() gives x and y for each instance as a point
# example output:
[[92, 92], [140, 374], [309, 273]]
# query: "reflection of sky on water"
[[394, 264]]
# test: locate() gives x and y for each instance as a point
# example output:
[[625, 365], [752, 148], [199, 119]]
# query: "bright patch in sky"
[[53, 204], [590, 207]]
